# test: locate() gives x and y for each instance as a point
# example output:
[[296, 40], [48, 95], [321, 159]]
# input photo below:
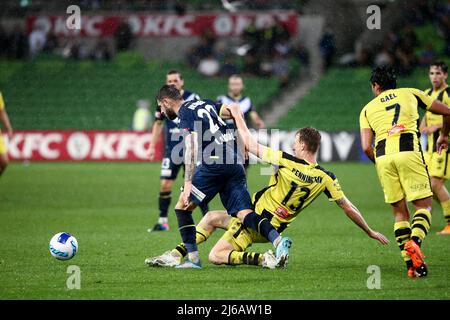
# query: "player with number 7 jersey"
[[392, 120]]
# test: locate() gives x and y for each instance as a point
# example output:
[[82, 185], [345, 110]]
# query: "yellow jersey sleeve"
[[279, 158], [2, 103], [333, 189], [424, 100], [272, 156], [363, 122]]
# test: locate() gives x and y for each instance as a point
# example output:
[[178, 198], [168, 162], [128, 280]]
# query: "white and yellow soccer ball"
[[63, 246]]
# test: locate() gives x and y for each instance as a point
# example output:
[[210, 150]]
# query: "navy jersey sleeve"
[[187, 119]]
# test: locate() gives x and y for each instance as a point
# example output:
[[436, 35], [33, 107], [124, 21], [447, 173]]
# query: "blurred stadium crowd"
[[401, 47], [268, 51]]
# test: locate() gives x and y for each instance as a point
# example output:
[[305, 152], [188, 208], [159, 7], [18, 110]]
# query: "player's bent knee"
[[217, 219], [424, 203], [241, 214], [166, 185]]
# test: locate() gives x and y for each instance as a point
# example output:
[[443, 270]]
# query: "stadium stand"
[[335, 102], [52, 93]]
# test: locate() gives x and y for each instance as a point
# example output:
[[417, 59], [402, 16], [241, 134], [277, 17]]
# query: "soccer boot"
[[188, 264], [444, 232], [419, 272], [167, 259], [413, 250], [159, 227], [269, 261], [282, 255]]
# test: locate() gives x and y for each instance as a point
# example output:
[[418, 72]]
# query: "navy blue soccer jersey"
[[172, 134], [245, 104], [217, 143]]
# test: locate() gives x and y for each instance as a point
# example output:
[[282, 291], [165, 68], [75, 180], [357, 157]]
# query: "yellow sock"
[[446, 208], [201, 235], [420, 225], [402, 231], [180, 250], [250, 258]]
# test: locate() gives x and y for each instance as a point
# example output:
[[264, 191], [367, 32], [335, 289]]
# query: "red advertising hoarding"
[[81, 146], [164, 25]]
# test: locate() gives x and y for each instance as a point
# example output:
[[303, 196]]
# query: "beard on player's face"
[[169, 113]]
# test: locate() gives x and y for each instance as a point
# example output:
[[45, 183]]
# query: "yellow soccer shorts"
[[241, 238], [403, 175], [3, 148], [438, 164]]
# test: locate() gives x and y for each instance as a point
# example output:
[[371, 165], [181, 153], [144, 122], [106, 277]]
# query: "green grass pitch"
[[108, 207]]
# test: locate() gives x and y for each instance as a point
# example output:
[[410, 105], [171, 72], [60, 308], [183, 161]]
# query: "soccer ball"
[[63, 246]]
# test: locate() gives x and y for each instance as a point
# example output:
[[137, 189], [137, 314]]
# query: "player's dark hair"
[[168, 91], [440, 64], [385, 77], [311, 137], [173, 71]]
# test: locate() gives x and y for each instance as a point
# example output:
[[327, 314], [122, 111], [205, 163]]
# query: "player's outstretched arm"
[[156, 132], [353, 213], [367, 143], [250, 143]]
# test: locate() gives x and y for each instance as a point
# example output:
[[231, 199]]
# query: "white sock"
[[163, 220], [194, 257], [277, 241]]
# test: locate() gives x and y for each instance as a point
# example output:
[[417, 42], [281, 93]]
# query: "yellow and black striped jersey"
[[432, 119], [393, 116], [295, 185]]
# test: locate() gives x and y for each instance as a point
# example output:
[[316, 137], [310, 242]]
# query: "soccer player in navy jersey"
[[208, 141], [173, 159]]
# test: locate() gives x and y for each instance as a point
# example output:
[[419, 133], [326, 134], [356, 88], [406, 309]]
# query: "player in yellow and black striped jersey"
[[7, 125], [438, 164], [298, 181], [391, 119]]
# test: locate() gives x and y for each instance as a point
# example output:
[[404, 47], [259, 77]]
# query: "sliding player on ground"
[[298, 182]]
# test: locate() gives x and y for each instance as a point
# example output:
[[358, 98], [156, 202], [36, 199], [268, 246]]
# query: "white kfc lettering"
[[103, 146], [44, 148]]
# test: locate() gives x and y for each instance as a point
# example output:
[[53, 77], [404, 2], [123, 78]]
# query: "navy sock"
[[186, 226], [164, 203], [204, 208], [261, 225]]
